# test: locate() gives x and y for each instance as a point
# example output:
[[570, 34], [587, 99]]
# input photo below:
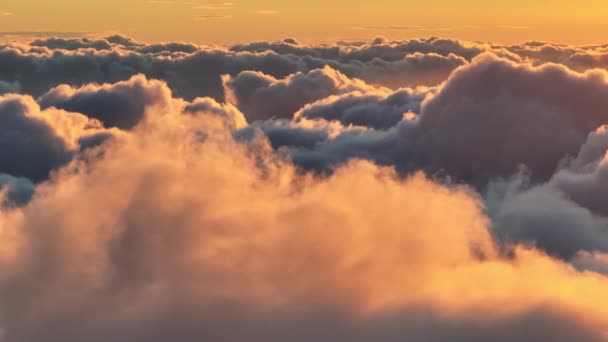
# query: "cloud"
[[216, 234], [15, 191], [374, 109], [34, 141], [210, 17], [37, 34], [502, 113], [262, 96], [72, 43], [489, 118], [215, 6], [417, 28], [514, 27], [596, 262], [565, 216], [266, 12], [232, 118], [6, 87], [121, 105], [195, 71], [5, 14]]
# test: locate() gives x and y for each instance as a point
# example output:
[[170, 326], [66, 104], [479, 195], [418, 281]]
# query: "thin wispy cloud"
[[214, 6], [210, 17], [61, 34], [415, 28], [5, 14], [513, 27], [437, 28], [266, 12]]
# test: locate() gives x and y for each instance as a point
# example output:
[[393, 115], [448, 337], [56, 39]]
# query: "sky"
[[228, 22]]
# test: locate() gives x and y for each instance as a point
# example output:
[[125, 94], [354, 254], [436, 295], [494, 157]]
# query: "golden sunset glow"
[[315, 21]]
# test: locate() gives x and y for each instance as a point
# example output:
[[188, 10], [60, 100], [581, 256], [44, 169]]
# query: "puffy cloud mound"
[[565, 215], [261, 96], [121, 105], [494, 114], [195, 71], [229, 115], [487, 120], [33, 142], [375, 109], [73, 43]]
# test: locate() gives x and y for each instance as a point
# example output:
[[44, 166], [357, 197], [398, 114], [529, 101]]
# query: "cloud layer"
[[424, 190]]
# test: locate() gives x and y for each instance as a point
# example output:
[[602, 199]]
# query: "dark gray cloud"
[[29, 146], [7, 88], [374, 109], [72, 43], [261, 96], [487, 120], [494, 115], [546, 217], [32, 143], [565, 215], [121, 105], [195, 71]]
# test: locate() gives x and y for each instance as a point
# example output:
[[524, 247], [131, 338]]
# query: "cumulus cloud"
[[565, 216], [121, 105], [231, 117], [262, 96], [494, 114], [375, 109], [72, 43], [33, 142], [194, 71], [489, 118]]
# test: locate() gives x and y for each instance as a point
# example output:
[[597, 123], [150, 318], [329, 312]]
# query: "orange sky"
[[314, 20]]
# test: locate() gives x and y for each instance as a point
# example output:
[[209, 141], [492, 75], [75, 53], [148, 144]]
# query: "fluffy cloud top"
[[119, 105], [33, 142], [262, 97], [147, 241]]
